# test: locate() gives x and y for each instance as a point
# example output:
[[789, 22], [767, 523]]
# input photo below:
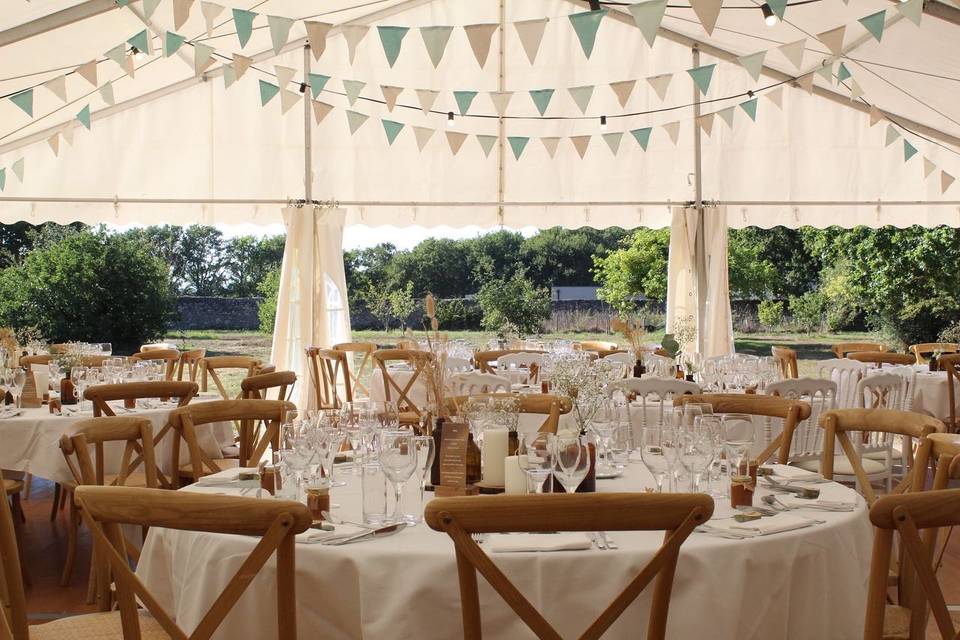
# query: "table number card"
[[453, 461]]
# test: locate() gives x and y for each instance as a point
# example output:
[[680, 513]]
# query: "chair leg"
[[56, 501], [27, 485], [72, 526], [17, 508], [92, 578]]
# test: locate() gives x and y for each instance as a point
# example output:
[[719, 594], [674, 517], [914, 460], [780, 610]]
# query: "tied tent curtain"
[[312, 305], [682, 267]]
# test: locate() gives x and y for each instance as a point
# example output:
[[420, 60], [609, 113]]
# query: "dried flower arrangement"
[[631, 329], [435, 369]]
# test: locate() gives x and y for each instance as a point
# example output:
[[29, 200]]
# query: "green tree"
[[269, 288], [637, 268], [402, 304], [514, 305], [797, 270], [557, 256], [249, 260], [367, 267], [751, 275], [493, 255], [440, 265], [205, 263]]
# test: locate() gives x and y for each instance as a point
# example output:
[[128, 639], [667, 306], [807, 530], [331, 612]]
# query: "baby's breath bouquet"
[[585, 383]]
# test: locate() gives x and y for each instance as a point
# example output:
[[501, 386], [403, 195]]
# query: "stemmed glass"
[[539, 449], [572, 462], [605, 423], [738, 434], [696, 454], [426, 451], [398, 459], [79, 377], [18, 378], [327, 445], [654, 445], [712, 425]]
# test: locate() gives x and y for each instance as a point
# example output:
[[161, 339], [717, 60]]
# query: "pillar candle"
[[515, 478], [494, 451], [41, 376]]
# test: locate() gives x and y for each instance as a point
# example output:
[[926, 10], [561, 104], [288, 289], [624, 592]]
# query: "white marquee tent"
[[831, 141]]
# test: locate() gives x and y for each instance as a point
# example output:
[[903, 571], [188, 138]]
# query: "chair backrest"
[[397, 392], [135, 433], [807, 439], [792, 412], [598, 346], [13, 601], [880, 391], [358, 372], [908, 376], [658, 364], [327, 368], [786, 359], [841, 349], [254, 440], [949, 364], [102, 394], [169, 356], [837, 425], [274, 522], [212, 366], [457, 365], [943, 450], [257, 387], [880, 358], [677, 515], [657, 393], [544, 404], [909, 515], [40, 358], [485, 359], [922, 350], [519, 359], [93, 361], [468, 384], [846, 373], [190, 363], [621, 357]]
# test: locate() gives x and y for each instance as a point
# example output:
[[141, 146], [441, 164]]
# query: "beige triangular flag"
[[776, 97], [390, 95], [57, 86], [550, 144], [623, 89], [613, 140], [479, 36], [88, 71], [855, 89], [288, 99], [54, 142], [181, 12], [353, 34], [875, 115], [806, 82], [106, 92], [531, 34], [210, 12], [945, 181], [500, 100], [241, 64], [130, 67], [284, 75], [580, 143], [660, 84], [673, 130], [794, 51], [833, 39], [68, 134], [455, 140], [707, 13], [427, 98], [317, 36], [423, 135], [320, 110], [706, 123], [727, 115], [928, 168]]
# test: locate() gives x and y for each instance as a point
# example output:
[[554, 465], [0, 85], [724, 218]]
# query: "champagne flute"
[[398, 459], [738, 434], [19, 379], [696, 454], [572, 462]]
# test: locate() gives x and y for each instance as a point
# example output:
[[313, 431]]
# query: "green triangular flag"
[[18, 169], [908, 150], [229, 75], [518, 144], [586, 25], [149, 6], [3, 179], [750, 106], [391, 38], [753, 63], [24, 100], [141, 41], [874, 23], [435, 39], [392, 129], [486, 143], [355, 120], [779, 7], [892, 135], [279, 31], [843, 73], [581, 96], [243, 21], [642, 136], [171, 42], [122, 3], [541, 98], [317, 83], [84, 116], [353, 88], [912, 10], [648, 16], [702, 76], [267, 92], [464, 100]]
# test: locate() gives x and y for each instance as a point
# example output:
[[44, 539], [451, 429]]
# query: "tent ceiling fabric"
[[205, 142]]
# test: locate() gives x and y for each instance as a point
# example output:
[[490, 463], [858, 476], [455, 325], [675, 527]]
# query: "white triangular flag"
[[106, 92], [18, 169], [550, 144], [320, 110], [928, 168], [353, 34], [500, 100], [68, 133], [531, 34], [707, 13], [317, 36], [833, 39], [427, 98], [284, 75], [423, 135], [945, 181], [892, 135], [288, 99], [875, 115], [855, 90], [794, 51], [580, 143], [776, 97], [455, 140], [623, 89], [581, 96], [210, 12], [54, 142], [673, 130], [241, 64], [912, 10], [613, 140], [727, 115], [390, 95], [88, 71], [57, 86], [660, 84], [706, 123]]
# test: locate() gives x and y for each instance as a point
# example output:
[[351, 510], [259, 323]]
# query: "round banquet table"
[[805, 583]]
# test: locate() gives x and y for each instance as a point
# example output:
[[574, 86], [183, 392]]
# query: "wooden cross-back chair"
[[544, 404], [792, 412], [170, 357], [102, 394], [922, 350], [328, 368], [189, 364], [362, 351], [259, 386], [484, 360], [880, 358], [399, 393], [212, 366], [273, 522], [259, 420], [677, 515], [838, 424], [949, 364], [786, 359], [40, 358], [841, 349], [600, 347], [156, 346]]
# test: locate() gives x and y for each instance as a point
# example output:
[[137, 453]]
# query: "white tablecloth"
[[808, 583], [931, 395]]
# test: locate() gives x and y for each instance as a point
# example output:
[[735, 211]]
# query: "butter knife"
[[380, 532]]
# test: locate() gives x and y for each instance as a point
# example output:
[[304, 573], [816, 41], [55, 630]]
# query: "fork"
[[611, 545], [478, 537], [599, 541]]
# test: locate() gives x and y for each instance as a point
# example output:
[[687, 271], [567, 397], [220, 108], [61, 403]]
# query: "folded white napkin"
[[774, 524], [224, 477], [507, 543], [793, 473]]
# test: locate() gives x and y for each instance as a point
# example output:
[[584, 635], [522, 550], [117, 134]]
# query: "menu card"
[[453, 460]]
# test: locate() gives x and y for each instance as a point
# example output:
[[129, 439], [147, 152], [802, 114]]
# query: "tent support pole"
[[700, 251], [307, 131], [501, 128]]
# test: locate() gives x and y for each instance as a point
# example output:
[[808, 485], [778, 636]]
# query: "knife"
[[381, 532]]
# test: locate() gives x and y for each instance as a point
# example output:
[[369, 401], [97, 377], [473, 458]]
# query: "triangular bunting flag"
[[531, 34], [317, 83], [928, 168], [642, 136], [141, 42], [912, 10], [706, 123], [202, 57], [171, 43], [673, 130], [550, 144], [455, 141], [210, 12], [320, 110], [727, 115], [54, 142], [241, 64], [486, 143], [18, 169], [88, 71], [843, 73], [353, 34], [892, 135], [284, 75], [422, 135], [267, 92], [181, 12], [581, 96], [24, 100], [750, 106], [3, 179], [660, 84], [622, 90], [779, 7], [149, 6], [805, 82], [464, 100], [58, 87], [479, 36], [68, 133], [613, 141], [702, 76], [500, 100], [317, 36], [435, 39], [243, 23], [392, 39], [518, 144], [586, 25], [648, 16], [392, 130], [855, 90], [106, 92], [707, 13], [908, 151], [580, 143], [355, 120], [753, 63], [874, 23], [833, 39], [541, 98], [288, 99], [279, 31], [229, 76], [794, 51], [427, 99], [875, 115], [776, 97], [825, 71], [353, 88], [390, 95], [945, 181], [119, 55], [84, 116]]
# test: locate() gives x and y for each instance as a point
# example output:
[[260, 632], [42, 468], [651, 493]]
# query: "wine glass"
[[605, 423], [18, 378], [539, 448], [426, 452], [327, 445], [388, 416], [738, 433], [712, 425], [79, 377], [696, 454], [398, 459], [572, 462], [692, 410], [654, 442]]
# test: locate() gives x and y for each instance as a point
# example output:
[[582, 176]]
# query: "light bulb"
[[769, 17], [450, 119], [603, 123]]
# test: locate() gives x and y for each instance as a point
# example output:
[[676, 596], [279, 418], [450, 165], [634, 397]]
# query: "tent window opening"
[[335, 310]]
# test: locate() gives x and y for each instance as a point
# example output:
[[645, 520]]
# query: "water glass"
[[398, 459], [656, 453], [373, 486], [738, 433], [572, 458], [426, 451], [539, 449]]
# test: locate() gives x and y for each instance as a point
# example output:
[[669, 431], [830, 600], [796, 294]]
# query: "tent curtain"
[[682, 268], [312, 307], [717, 332]]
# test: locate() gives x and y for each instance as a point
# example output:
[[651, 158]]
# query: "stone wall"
[[217, 313]]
